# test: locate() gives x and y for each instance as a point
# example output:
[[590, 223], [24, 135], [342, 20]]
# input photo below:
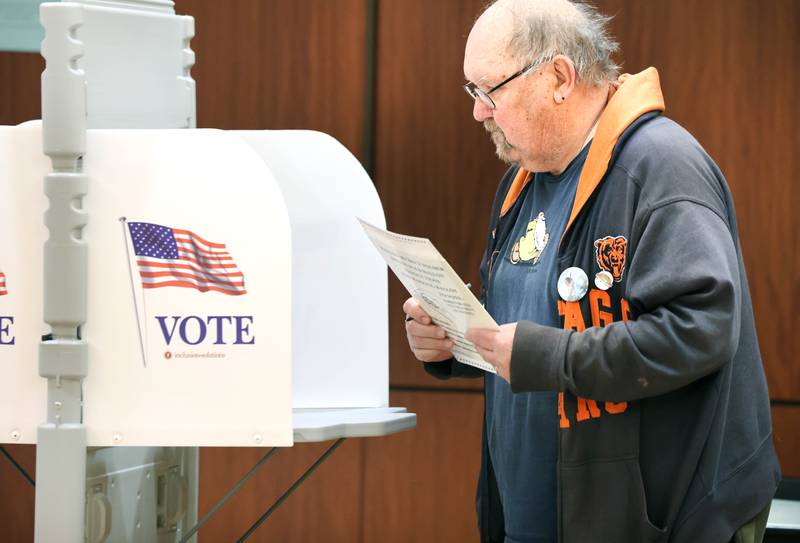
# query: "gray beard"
[[502, 147]]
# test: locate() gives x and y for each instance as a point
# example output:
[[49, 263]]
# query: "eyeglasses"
[[484, 97]]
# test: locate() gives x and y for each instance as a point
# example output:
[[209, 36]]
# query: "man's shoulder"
[[655, 140], [667, 164]]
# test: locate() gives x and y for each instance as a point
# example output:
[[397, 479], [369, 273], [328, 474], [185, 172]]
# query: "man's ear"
[[566, 78]]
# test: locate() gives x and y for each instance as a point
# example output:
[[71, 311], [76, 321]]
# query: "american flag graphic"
[[3, 287], [170, 257]]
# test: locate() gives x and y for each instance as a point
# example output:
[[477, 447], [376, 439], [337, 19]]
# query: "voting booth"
[[178, 287]]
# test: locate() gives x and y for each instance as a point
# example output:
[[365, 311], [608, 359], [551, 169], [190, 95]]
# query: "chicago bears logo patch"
[[610, 253]]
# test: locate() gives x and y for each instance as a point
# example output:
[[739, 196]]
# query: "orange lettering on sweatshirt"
[[616, 408], [587, 409], [573, 318], [563, 421], [598, 301], [626, 309], [600, 308]]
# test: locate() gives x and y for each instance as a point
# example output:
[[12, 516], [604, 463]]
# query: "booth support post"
[[63, 355]]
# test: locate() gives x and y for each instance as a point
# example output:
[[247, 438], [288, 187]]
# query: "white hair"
[[542, 29]]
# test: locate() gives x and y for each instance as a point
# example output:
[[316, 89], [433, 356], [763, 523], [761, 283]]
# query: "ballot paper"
[[442, 294]]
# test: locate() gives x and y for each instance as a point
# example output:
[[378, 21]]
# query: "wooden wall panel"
[[434, 165], [327, 507], [723, 67], [281, 64], [786, 429], [17, 495], [420, 485], [20, 87]]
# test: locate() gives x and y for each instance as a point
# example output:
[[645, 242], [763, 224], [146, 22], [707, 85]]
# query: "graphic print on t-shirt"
[[529, 247]]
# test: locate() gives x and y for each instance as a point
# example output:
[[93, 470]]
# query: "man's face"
[[524, 125]]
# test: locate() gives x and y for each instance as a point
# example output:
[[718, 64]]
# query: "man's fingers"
[[413, 328], [484, 341], [487, 355], [412, 308], [428, 342], [432, 355], [484, 337], [418, 342]]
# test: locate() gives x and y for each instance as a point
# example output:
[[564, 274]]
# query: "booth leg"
[[61, 483], [192, 471]]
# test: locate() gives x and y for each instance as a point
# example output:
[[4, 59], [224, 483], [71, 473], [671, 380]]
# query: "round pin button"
[[603, 280], [573, 284]]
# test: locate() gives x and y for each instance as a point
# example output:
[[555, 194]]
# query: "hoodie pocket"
[[604, 502]]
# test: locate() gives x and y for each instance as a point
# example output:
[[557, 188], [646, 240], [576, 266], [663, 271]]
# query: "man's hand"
[[428, 341], [495, 346]]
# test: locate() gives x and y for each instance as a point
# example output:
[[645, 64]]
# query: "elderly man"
[[630, 403]]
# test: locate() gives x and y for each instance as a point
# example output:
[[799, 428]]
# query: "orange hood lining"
[[635, 95]]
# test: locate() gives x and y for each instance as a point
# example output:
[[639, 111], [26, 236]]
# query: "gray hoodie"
[[664, 416]]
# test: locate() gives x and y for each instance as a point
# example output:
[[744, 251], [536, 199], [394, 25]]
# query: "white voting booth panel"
[[176, 366], [340, 294], [22, 168], [171, 365], [218, 363]]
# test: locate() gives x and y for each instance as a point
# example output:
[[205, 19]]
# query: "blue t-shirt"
[[522, 428]]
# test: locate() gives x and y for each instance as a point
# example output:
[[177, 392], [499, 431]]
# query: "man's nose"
[[481, 111]]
